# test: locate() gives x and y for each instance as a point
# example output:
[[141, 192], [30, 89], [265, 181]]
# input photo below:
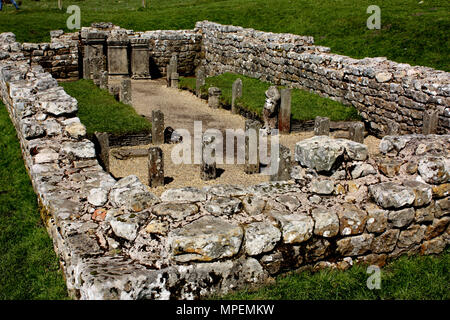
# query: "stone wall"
[[59, 57], [391, 97], [117, 240], [161, 45]]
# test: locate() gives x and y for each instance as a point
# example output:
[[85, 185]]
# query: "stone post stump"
[[125, 91], [356, 132], [284, 116], [155, 167], [236, 92], [157, 127], [208, 169], [252, 129], [214, 97], [283, 171], [199, 81], [322, 126]]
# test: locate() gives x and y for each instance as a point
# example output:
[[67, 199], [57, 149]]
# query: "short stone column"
[[157, 127], [199, 81], [171, 68], [155, 167], [208, 169], [283, 171], [356, 132], [125, 91], [252, 129], [140, 58], [284, 115], [86, 69], [104, 80], [322, 126], [236, 93], [214, 97], [118, 55], [102, 145], [174, 80], [430, 122]]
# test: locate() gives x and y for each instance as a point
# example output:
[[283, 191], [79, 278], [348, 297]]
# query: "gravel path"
[[181, 109]]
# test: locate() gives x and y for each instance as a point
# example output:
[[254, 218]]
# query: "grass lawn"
[[29, 268], [410, 278], [304, 104], [412, 31], [99, 111]]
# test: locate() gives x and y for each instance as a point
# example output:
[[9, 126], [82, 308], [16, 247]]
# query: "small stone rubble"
[[117, 240]]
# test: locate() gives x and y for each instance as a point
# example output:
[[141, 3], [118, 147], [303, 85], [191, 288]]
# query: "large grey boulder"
[[205, 239], [322, 152]]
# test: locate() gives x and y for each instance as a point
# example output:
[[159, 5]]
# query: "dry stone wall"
[[59, 57], [392, 97], [117, 240]]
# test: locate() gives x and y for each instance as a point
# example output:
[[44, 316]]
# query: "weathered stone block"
[[155, 167], [205, 239]]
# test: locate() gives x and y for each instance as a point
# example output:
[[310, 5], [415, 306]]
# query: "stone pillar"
[[213, 97], [252, 128], [356, 132], [140, 58], [155, 167], [125, 91], [284, 164], [208, 167], [174, 79], [86, 71], [200, 81], [157, 127], [171, 68], [271, 107], [102, 144], [104, 80], [118, 55], [430, 122], [284, 116], [236, 92], [322, 126]]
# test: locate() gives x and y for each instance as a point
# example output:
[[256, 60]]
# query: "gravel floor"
[[181, 109]]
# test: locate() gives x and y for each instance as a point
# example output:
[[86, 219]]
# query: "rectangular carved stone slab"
[[140, 59], [118, 56]]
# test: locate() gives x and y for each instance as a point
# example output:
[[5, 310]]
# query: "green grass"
[[29, 267], [99, 111], [304, 104], [411, 32], [410, 278]]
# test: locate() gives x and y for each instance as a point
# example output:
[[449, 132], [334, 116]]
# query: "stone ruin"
[[117, 240]]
